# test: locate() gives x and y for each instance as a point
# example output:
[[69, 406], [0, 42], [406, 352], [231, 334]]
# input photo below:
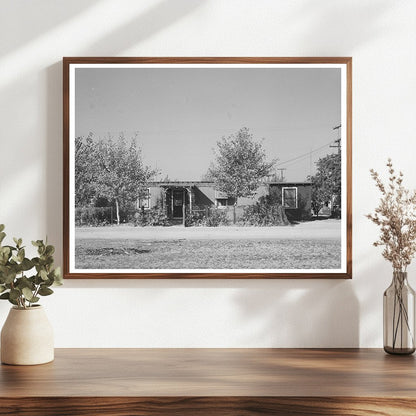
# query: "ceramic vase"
[[27, 337]]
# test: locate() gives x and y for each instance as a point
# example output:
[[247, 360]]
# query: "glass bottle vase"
[[399, 316]]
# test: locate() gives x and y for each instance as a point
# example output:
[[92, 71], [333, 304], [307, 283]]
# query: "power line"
[[305, 154], [338, 140], [288, 165]]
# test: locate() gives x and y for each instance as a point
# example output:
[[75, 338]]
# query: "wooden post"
[[190, 199], [171, 200], [184, 208], [234, 213], [165, 202]]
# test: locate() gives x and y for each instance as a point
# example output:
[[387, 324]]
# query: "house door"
[[177, 204]]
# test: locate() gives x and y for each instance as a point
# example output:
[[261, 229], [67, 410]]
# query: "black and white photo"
[[207, 169]]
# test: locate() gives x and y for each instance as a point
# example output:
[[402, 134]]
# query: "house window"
[[221, 199], [290, 197], [221, 202], [144, 200]]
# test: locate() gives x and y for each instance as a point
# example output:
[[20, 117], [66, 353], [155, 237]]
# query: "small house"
[[295, 197], [178, 197]]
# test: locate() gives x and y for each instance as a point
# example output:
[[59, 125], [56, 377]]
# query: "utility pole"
[[338, 140], [281, 176], [310, 163], [336, 200]]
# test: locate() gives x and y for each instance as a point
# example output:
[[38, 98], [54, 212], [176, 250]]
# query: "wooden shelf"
[[212, 382]]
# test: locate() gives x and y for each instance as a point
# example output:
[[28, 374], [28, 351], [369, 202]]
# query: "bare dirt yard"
[[308, 245]]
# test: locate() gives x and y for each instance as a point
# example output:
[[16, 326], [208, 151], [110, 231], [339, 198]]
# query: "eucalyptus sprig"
[[16, 285]]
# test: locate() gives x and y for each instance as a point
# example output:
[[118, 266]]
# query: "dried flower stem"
[[396, 217]]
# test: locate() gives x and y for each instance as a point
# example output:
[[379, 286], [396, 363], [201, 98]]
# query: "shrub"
[[209, 217], [195, 218], [216, 217], [93, 216], [264, 213], [150, 217]]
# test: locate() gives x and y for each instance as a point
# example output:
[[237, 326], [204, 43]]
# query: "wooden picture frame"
[[283, 104]]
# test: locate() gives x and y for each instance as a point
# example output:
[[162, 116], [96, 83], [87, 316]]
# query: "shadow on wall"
[[336, 18], [280, 313], [375, 276], [45, 16], [154, 19], [301, 313], [54, 147], [140, 27]]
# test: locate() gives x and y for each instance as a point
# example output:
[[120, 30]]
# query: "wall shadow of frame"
[[154, 274], [300, 314]]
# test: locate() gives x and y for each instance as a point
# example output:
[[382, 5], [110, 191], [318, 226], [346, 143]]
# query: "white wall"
[[380, 35]]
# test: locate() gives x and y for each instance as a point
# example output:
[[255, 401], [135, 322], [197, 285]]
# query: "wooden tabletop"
[[267, 377]]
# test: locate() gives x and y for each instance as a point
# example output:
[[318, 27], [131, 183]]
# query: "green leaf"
[[11, 248], [45, 291], [28, 294], [17, 241], [49, 250], [5, 250], [9, 277], [57, 276], [24, 282], [21, 255], [48, 282], [26, 264], [2, 227], [4, 255], [2, 236], [43, 274], [7, 297], [38, 280], [48, 260], [15, 294], [56, 273], [37, 243], [2, 288]]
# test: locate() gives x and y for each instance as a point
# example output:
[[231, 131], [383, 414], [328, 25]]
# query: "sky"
[[179, 114]]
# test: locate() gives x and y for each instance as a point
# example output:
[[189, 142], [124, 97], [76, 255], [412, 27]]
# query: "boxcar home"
[[178, 197]]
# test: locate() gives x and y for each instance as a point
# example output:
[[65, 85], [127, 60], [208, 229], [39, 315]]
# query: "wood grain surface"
[[212, 381]]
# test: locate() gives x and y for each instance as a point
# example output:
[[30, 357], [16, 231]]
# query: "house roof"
[[181, 183], [210, 183], [289, 183]]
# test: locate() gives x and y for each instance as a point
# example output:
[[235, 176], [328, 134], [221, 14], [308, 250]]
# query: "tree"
[[123, 175], [240, 165], [326, 183], [86, 169]]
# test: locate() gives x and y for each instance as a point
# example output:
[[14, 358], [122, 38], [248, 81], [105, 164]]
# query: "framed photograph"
[[207, 167]]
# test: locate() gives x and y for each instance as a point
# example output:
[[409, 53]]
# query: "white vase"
[[27, 337]]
